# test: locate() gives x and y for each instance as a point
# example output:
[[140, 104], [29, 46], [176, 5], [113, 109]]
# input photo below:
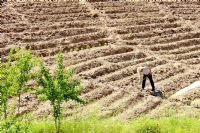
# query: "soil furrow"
[[145, 28], [177, 82], [190, 55], [109, 68], [185, 50], [115, 96], [160, 73], [50, 26], [97, 93], [155, 33], [120, 105], [135, 110], [127, 71], [177, 42], [70, 47], [99, 52]]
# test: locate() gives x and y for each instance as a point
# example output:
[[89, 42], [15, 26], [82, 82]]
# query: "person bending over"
[[145, 72]]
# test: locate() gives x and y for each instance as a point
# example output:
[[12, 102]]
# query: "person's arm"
[[140, 77], [150, 70]]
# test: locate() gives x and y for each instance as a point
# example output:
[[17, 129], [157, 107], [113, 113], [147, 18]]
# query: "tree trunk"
[[19, 101], [5, 109]]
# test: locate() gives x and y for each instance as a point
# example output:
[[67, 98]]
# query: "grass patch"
[[171, 124]]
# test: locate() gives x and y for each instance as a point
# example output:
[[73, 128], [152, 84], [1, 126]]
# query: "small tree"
[[58, 88], [23, 62], [6, 89]]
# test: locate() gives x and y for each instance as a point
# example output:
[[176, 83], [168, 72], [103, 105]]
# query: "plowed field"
[[106, 42]]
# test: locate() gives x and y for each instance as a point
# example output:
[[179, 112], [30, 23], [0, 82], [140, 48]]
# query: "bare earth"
[[106, 42]]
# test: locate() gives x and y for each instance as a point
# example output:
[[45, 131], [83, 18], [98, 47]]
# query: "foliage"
[[24, 61], [58, 88], [88, 46], [186, 124], [15, 73], [6, 84], [71, 50], [15, 124], [76, 49], [149, 129]]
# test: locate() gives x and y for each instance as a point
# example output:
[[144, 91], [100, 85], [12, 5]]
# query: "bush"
[[58, 88]]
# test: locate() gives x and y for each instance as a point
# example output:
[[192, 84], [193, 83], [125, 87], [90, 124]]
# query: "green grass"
[[172, 124]]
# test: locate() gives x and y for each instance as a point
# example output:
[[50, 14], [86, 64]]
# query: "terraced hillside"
[[106, 42]]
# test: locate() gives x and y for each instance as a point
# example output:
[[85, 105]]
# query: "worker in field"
[[145, 72]]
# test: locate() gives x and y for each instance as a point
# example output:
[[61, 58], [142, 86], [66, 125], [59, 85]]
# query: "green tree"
[[58, 88], [6, 89], [23, 62]]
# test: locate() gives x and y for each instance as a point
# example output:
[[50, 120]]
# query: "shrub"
[[21, 67], [58, 88]]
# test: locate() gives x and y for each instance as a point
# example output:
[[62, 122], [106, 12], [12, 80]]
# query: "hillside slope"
[[106, 42]]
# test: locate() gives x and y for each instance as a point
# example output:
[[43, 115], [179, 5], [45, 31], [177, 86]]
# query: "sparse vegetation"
[[15, 124], [58, 88], [171, 124], [24, 61], [6, 84], [76, 49], [71, 50], [16, 72], [88, 46]]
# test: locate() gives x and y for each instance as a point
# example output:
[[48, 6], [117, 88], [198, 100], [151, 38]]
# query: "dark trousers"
[[150, 79]]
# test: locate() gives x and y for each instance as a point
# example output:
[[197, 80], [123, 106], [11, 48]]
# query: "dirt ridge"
[[106, 42]]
